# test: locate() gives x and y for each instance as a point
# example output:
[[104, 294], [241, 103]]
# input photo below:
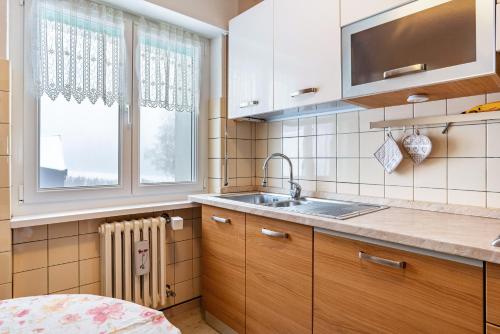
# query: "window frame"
[[26, 196]]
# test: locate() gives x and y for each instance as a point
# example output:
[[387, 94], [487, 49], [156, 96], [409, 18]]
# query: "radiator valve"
[[170, 292]]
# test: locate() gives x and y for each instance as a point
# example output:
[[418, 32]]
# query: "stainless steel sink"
[[311, 206]]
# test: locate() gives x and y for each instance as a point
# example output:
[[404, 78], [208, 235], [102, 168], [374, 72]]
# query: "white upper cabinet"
[[355, 10], [307, 55], [251, 61]]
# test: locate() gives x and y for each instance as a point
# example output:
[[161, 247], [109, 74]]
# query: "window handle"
[[129, 115]]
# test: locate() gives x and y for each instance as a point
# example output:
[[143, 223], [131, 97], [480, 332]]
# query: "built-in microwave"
[[420, 44]]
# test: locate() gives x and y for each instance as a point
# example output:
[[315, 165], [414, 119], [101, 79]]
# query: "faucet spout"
[[295, 188]]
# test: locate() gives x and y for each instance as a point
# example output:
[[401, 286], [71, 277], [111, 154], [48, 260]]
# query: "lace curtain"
[[169, 62], [78, 50]]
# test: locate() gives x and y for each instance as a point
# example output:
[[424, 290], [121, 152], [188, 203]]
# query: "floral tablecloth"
[[70, 314]]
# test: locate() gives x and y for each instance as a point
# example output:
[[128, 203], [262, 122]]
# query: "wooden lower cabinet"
[[223, 266], [492, 329], [429, 295], [279, 279], [493, 293]]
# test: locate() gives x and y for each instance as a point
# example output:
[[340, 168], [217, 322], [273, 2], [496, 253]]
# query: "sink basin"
[[286, 204], [263, 199]]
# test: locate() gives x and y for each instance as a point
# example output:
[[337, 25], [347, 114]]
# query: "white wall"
[[3, 29]]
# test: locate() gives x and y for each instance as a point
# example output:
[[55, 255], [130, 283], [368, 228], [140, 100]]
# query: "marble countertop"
[[455, 234]]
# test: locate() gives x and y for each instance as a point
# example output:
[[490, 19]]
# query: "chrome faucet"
[[295, 188]]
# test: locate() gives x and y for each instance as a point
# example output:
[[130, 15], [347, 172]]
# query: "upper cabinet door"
[[251, 61], [355, 10], [307, 63]]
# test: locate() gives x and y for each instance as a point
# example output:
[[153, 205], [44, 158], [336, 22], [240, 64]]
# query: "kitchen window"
[[112, 108]]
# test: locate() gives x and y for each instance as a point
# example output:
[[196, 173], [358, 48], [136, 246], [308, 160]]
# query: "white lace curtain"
[[168, 65], [78, 50]]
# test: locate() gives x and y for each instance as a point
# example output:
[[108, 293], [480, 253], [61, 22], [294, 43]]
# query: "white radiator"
[[122, 275]]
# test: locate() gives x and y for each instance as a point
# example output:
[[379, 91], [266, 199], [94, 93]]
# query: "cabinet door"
[[355, 294], [278, 276], [493, 293], [307, 52], [223, 266], [491, 329], [251, 61], [355, 10]]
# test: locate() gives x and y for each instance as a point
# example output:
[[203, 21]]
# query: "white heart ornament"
[[418, 147]]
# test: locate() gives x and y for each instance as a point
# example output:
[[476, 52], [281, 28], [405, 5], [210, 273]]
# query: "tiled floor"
[[188, 318]]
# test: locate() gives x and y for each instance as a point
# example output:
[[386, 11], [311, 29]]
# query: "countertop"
[[454, 234]]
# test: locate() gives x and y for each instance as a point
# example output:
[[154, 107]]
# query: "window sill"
[[66, 216]]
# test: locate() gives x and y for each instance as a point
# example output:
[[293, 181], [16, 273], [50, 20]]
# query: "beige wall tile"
[[370, 171], [348, 122], [4, 203], [183, 250], [231, 149], [291, 147], [347, 170], [371, 190], [307, 126], [431, 108], [183, 271], [467, 141], [231, 128], [275, 129], [430, 195], [432, 173], [461, 104], [5, 267], [492, 97], [4, 107], [91, 289], [244, 168], [368, 116], [197, 267], [88, 246], [261, 148], [170, 253], [28, 234], [184, 213], [307, 147], [493, 141], [196, 248], [493, 174], [326, 170], [4, 139], [89, 271], [243, 149], [63, 277], [473, 198], [326, 125], [28, 256], [274, 146], [261, 130], [63, 230], [493, 200], [467, 174], [348, 188], [397, 192], [399, 112], [275, 168], [215, 127], [5, 291], [439, 141], [308, 185], [291, 128], [68, 291], [326, 146], [30, 283], [4, 171], [307, 169], [5, 236], [170, 274], [244, 130], [348, 145], [402, 176], [328, 187], [184, 291], [63, 250], [215, 168], [370, 142], [186, 232], [215, 148], [90, 226], [196, 287]]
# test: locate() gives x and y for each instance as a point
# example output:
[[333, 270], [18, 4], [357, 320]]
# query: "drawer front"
[[493, 293], [223, 265], [278, 276], [376, 293], [492, 329]]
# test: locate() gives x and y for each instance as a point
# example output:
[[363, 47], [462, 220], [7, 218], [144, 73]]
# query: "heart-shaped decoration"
[[418, 147]]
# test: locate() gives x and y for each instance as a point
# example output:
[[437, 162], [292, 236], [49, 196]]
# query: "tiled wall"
[[64, 258], [5, 236], [334, 154]]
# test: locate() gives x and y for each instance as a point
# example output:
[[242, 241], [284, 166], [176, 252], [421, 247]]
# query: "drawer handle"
[[382, 261], [221, 220], [248, 104], [304, 91], [274, 234], [398, 72]]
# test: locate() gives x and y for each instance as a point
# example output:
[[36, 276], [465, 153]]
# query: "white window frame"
[[28, 199]]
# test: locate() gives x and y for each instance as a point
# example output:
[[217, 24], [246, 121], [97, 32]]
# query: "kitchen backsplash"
[[334, 153]]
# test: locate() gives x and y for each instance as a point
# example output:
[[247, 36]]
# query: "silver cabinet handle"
[[274, 234], [397, 72], [248, 104], [220, 220], [304, 91], [382, 261]]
